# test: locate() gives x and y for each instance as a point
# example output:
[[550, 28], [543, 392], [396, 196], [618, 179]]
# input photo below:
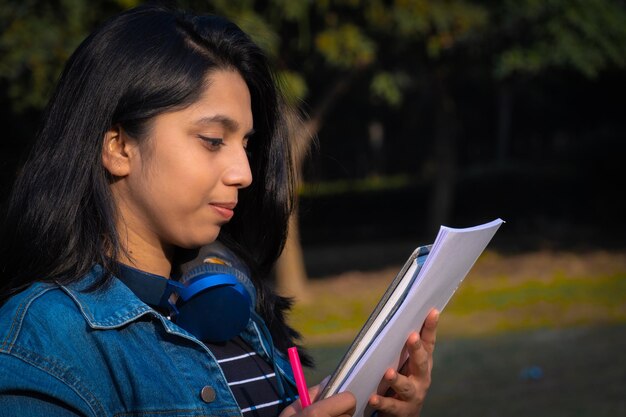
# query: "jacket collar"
[[115, 305], [111, 306]]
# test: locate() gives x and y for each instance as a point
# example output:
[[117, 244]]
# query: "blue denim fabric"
[[106, 353]]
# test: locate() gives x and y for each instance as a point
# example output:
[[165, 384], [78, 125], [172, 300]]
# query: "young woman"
[[164, 134]]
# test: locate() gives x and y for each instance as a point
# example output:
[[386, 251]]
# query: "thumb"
[[315, 391]]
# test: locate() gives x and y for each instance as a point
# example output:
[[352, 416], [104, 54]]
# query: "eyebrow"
[[229, 124]]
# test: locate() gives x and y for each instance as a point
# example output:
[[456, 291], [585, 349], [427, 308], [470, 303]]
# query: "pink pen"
[[298, 374]]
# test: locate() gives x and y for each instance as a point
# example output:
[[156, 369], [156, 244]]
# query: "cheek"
[[175, 184], [184, 182]]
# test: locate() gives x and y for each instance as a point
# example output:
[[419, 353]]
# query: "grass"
[[576, 371], [501, 293], [541, 334]]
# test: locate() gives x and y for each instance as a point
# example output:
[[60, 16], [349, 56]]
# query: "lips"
[[225, 210]]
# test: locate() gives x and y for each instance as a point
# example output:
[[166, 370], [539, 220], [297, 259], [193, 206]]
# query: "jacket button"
[[207, 394]]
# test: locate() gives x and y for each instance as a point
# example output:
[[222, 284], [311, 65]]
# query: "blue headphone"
[[213, 299]]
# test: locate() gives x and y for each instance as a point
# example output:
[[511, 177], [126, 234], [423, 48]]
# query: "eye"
[[246, 148], [213, 144]]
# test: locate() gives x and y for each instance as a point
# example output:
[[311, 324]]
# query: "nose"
[[238, 172]]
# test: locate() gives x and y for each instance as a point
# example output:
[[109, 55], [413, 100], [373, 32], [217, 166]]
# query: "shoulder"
[[37, 313], [60, 320], [34, 311], [35, 343]]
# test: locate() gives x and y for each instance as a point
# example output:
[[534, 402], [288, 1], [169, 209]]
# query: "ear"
[[116, 152]]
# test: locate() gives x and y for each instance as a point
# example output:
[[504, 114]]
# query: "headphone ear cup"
[[217, 314], [213, 304], [213, 301]]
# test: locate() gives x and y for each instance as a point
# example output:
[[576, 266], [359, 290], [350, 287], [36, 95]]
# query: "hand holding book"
[[408, 386], [428, 280]]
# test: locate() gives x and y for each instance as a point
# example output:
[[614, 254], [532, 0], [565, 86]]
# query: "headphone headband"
[[212, 301]]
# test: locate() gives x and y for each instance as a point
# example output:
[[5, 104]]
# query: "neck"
[[145, 255], [147, 263]]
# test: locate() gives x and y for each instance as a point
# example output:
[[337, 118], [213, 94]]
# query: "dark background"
[[558, 180], [562, 187]]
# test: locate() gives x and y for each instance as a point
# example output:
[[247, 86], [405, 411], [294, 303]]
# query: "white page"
[[375, 327], [454, 253]]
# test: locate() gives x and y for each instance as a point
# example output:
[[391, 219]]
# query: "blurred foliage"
[[36, 39], [429, 71], [392, 39], [345, 46], [293, 85], [388, 86], [585, 35]]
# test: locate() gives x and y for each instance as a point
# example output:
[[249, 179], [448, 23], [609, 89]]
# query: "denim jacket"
[[106, 353]]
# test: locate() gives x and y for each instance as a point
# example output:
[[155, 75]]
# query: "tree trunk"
[[291, 277], [442, 198], [290, 269]]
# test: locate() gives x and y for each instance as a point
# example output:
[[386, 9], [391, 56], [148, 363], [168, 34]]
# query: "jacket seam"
[[18, 318], [63, 374], [167, 354], [173, 331], [109, 323]]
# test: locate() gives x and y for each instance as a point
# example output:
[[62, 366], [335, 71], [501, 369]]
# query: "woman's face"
[[184, 178]]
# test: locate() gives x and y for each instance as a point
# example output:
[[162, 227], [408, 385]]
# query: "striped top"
[[250, 377]]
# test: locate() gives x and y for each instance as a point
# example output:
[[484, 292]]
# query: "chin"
[[200, 241], [196, 237]]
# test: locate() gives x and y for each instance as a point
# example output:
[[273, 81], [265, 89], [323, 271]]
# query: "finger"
[[324, 382], [314, 391], [419, 357], [335, 405], [387, 405], [400, 384], [428, 334]]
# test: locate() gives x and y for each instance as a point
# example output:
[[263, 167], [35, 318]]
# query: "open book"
[[427, 280]]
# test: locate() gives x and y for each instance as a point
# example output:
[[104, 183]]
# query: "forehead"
[[224, 106], [225, 101], [225, 96]]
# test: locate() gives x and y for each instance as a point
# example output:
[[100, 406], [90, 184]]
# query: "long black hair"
[[60, 218]]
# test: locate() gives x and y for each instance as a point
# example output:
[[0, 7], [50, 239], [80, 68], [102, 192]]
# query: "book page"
[[452, 255], [382, 313]]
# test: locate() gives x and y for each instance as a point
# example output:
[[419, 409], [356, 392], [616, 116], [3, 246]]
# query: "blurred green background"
[[539, 333], [426, 113]]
